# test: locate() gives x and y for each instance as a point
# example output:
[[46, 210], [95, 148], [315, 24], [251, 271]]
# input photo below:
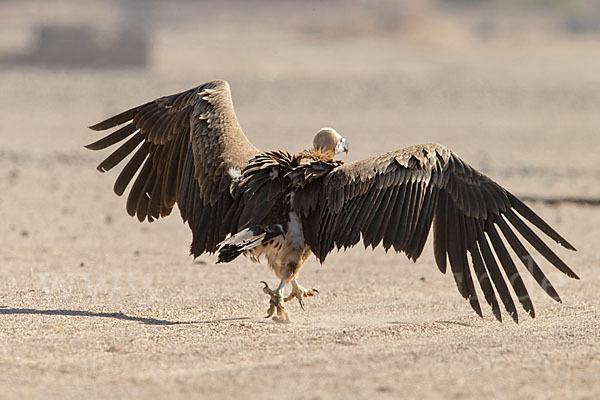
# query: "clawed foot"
[[277, 299], [300, 293], [276, 303]]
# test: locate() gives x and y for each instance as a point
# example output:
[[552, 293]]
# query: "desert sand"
[[94, 304]]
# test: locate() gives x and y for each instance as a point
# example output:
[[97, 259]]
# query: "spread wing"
[[395, 198], [185, 147]]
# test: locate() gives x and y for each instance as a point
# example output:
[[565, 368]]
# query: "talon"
[[298, 292], [275, 302], [270, 311], [277, 299], [266, 289]]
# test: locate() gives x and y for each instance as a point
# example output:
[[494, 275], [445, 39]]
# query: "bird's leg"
[[276, 302], [300, 293]]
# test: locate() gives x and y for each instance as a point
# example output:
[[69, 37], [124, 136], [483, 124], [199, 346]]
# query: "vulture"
[[188, 149]]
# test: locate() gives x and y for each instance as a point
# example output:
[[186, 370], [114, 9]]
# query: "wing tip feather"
[[97, 127], [497, 313], [475, 305], [567, 245]]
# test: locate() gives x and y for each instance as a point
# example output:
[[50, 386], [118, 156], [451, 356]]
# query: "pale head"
[[327, 139]]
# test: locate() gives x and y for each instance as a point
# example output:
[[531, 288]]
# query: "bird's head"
[[327, 139]]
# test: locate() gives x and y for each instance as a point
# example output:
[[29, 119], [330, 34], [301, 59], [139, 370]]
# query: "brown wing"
[[184, 147], [394, 199]]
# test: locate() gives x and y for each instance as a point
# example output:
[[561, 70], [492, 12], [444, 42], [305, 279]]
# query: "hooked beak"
[[345, 147]]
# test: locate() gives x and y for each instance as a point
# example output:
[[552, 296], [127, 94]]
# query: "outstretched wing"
[[185, 147], [394, 199]]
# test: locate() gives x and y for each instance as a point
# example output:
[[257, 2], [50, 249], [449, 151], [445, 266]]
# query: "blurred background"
[[511, 86]]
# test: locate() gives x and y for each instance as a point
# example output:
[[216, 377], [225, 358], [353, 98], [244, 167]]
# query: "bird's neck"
[[317, 155]]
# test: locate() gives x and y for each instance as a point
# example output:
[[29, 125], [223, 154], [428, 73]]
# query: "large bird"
[[188, 149]]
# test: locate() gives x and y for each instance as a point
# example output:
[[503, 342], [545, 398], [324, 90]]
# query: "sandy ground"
[[95, 305]]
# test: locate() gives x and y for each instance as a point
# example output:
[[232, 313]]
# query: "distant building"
[[68, 46]]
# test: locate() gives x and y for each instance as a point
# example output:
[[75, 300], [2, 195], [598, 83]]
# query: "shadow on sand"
[[434, 322], [79, 313]]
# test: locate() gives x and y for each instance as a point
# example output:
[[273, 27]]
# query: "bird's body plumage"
[[188, 149], [265, 199]]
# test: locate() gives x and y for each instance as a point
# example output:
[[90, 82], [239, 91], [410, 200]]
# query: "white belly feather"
[[285, 248]]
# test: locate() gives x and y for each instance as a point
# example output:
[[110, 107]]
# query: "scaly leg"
[[276, 302], [300, 293]]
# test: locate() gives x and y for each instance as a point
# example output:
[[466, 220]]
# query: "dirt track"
[[94, 304]]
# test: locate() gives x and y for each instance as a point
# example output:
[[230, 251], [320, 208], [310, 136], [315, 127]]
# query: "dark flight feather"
[[413, 189], [200, 122]]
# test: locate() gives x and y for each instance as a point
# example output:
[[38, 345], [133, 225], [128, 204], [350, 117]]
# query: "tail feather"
[[247, 239]]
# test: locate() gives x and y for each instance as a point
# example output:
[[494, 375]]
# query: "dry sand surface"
[[95, 305]]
